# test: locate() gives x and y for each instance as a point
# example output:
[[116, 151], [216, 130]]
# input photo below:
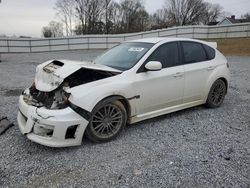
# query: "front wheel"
[[107, 121], [216, 94]]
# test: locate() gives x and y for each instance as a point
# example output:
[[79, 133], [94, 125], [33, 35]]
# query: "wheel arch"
[[221, 72], [224, 80], [121, 99], [212, 82]]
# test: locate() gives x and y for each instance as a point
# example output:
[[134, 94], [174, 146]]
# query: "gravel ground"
[[197, 147]]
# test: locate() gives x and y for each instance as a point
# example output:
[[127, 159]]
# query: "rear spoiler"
[[212, 44]]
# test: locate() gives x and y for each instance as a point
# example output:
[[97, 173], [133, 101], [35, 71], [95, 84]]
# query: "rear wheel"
[[216, 94], [107, 121]]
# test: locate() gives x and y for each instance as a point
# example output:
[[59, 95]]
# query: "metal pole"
[[30, 46]]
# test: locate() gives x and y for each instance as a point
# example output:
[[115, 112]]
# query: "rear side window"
[[210, 52], [193, 52], [167, 54]]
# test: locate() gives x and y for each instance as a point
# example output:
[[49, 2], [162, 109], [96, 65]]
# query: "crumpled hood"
[[51, 74]]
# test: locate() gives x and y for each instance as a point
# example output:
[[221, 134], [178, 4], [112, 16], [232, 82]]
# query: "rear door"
[[198, 65]]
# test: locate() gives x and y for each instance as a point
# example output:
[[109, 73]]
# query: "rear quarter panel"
[[221, 71]]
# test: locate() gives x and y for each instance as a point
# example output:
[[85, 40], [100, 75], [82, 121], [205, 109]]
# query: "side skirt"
[[163, 111]]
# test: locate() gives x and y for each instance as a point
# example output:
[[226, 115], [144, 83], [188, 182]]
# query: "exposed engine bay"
[[51, 100], [58, 98]]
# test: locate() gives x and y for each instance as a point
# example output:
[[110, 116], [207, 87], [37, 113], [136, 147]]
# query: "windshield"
[[124, 56]]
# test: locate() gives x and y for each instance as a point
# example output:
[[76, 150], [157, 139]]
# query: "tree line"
[[79, 17]]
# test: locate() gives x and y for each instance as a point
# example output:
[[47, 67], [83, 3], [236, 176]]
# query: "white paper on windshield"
[[136, 49]]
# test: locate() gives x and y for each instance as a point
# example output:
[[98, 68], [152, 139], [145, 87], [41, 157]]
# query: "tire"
[[216, 94], [107, 120]]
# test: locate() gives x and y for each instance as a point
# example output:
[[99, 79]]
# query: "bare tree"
[[185, 12], [54, 29], [129, 10], [142, 21], [212, 13], [108, 14], [46, 31], [66, 11], [246, 16], [80, 13], [159, 19], [125, 16], [89, 13], [115, 18], [128, 16]]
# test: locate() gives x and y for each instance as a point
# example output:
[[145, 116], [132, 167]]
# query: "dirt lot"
[[234, 46], [198, 147]]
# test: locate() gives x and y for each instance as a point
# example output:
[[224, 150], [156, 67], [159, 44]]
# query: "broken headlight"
[[57, 99]]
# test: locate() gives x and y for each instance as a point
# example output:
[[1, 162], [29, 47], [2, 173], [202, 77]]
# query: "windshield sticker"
[[136, 49]]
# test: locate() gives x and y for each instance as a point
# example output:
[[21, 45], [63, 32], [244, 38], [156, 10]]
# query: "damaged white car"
[[131, 82]]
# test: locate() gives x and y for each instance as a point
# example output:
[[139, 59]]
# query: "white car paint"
[[159, 81], [54, 119], [148, 94], [50, 81]]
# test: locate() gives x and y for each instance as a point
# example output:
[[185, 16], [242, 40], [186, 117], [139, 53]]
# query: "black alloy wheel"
[[217, 94]]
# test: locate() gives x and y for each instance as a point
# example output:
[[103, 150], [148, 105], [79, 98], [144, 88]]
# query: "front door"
[[164, 88]]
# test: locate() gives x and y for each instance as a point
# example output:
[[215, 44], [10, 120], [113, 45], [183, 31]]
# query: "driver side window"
[[167, 54]]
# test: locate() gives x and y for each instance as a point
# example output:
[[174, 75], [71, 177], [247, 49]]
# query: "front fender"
[[89, 95]]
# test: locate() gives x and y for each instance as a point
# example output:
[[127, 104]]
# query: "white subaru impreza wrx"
[[131, 82]]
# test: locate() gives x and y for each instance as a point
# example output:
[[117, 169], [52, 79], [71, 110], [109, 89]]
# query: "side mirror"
[[153, 66]]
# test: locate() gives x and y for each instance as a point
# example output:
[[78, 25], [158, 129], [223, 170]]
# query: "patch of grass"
[[233, 46]]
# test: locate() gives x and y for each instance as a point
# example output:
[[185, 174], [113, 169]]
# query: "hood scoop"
[[53, 66]]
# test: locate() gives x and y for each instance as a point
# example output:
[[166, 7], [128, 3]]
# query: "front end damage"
[[46, 115]]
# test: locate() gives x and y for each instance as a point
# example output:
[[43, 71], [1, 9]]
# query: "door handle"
[[178, 74], [210, 68]]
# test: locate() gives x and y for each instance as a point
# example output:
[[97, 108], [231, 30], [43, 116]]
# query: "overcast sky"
[[27, 17]]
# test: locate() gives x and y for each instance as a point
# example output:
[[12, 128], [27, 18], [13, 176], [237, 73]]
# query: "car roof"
[[169, 39], [163, 39]]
